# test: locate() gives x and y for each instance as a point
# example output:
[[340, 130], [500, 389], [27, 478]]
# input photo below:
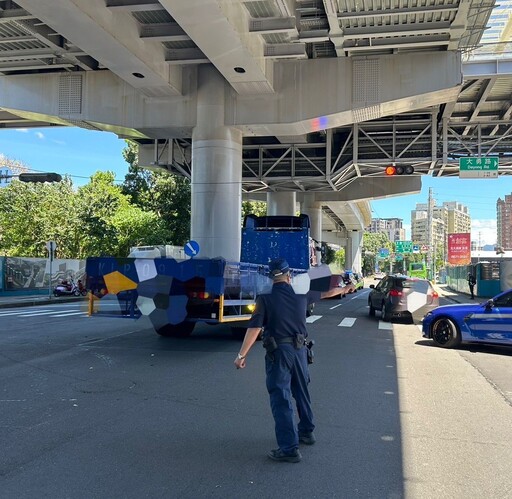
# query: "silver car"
[[399, 296]]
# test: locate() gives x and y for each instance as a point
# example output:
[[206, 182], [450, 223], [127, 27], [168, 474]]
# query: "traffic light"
[[39, 177], [399, 170]]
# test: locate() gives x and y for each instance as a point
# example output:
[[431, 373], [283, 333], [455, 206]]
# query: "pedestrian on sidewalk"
[[282, 314], [471, 283]]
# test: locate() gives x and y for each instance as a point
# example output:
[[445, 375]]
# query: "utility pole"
[[430, 242]]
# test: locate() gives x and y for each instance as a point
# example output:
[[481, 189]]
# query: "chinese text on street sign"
[[477, 167], [403, 246]]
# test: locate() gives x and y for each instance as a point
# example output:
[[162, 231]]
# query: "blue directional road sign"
[[383, 253], [191, 249]]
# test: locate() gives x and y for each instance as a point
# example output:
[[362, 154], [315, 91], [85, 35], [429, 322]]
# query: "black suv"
[[400, 296]]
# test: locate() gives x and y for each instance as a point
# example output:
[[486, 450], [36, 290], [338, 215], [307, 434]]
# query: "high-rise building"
[[420, 230], [393, 227], [504, 222], [449, 218], [457, 218]]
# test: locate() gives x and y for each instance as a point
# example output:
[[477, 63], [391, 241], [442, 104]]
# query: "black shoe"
[[307, 438], [279, 455]]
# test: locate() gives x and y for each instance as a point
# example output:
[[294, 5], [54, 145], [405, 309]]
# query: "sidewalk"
[[34, 300], [455, 296]]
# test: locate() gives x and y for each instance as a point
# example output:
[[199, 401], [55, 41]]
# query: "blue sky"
[[80, 153], [68, 151]]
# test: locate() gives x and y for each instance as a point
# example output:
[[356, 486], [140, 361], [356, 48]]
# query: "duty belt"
[[288, 339]]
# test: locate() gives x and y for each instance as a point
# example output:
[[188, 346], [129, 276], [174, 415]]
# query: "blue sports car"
[[487, 322]]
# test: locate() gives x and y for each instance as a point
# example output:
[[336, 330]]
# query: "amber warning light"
[[399, 170]]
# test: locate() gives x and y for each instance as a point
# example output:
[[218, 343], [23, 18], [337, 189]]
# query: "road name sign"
[[403, 246], [478, 167]]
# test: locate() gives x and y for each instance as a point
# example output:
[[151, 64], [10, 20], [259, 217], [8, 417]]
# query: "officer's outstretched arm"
[[250, 337]]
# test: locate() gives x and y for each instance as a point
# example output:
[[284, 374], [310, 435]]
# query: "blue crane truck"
[[177, 294]]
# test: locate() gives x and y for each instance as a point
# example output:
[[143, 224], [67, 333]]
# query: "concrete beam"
[[113, 40], [311, 95]]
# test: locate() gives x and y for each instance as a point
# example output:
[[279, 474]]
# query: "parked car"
[[488, 322], [400, 296]]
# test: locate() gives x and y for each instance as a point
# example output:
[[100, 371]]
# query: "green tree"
[[339, 258], [372, 243], [32, 214], [165, 194], [172, 203], [138, 182], [258, 208], [98, 203]]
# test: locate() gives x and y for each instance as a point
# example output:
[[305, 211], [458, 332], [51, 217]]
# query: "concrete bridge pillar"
[[281, 203], [353, 250], [216, 173]]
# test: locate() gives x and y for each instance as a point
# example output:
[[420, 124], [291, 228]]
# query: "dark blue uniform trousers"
[[287, 377]]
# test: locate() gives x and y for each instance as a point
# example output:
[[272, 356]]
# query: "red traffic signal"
[[39, 177], [399, 170]]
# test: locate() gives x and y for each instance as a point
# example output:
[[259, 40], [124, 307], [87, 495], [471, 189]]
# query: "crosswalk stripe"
[[35, 314], [313, 318], [347, 322], [385, 325], [5, 314], [67, 314]]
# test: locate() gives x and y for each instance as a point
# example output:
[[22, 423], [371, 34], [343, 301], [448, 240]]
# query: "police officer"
[[471, 282], [282, 314]]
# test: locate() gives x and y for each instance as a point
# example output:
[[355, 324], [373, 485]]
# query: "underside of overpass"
[[323, 93]]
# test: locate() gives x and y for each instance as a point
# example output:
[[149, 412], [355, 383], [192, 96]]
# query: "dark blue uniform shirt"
[[281, 312]]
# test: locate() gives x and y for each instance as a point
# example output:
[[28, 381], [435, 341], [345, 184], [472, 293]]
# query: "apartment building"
[[393, 227], [504, 222]]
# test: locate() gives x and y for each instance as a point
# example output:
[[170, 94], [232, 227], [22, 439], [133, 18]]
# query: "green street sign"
[[403, 246], [479, 167], [399, 257]]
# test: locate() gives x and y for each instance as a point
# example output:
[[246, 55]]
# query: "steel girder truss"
[[334, 158]]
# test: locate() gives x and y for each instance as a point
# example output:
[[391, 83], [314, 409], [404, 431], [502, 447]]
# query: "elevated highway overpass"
[[301, 101]]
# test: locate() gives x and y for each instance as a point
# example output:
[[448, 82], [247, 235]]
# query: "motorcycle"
[[70, 288]]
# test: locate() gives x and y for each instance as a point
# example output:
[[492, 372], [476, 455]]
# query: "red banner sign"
[[459, 249]]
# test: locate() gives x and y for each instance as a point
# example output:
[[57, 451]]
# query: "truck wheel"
[[181, 330]]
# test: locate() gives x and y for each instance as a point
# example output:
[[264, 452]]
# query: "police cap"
[[278, 267]]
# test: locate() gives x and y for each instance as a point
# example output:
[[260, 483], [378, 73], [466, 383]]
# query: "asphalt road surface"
[[104, 408]]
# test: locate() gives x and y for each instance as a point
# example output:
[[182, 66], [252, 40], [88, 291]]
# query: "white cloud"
[[39, 135], [483, 231], [22, 130], [60, 142]]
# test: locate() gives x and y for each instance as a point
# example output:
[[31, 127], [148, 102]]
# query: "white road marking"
[[313, 318], [385, 325], [336, 306], [35, 314], [347, 322], [6, 314], [68, 314]]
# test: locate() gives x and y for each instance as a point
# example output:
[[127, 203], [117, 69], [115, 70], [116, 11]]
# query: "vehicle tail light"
[[395, 292], [435, 295], [202, 295]]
